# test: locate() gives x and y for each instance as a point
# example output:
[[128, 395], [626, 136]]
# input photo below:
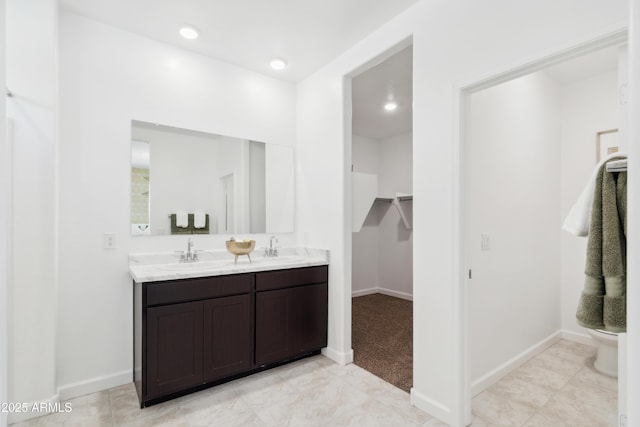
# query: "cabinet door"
[[174, 348], [228, 336], [310, 317], [274, 339]]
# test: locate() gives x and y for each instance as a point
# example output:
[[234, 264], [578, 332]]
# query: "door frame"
[[382, 55], [461, 160]]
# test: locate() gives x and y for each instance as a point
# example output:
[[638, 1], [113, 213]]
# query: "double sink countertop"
[[160, 266]]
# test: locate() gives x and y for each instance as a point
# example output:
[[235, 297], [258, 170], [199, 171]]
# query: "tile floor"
[[557, 388]]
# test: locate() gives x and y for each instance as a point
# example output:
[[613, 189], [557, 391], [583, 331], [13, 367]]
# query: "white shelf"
[[384, 199], [364, 194], [404, 203]]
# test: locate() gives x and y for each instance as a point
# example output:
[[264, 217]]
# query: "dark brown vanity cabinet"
[[228, 336], [190, 332], [291, 313], [193, 333], [174, 341]]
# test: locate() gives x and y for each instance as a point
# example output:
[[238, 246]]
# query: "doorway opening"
[[382, 220], [529, 146], [227, 218]]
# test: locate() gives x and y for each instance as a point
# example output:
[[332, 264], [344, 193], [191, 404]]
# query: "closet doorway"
[[382, 199], [531, 144]]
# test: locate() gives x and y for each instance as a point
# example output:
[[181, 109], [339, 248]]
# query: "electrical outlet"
[[109, 240], [485, 241]]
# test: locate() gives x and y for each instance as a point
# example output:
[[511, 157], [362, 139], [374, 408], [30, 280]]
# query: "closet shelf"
[[364, 195], [404, 204], [384, 199]]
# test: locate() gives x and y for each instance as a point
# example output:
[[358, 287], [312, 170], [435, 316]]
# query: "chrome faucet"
[[190, 255], [271, 250]]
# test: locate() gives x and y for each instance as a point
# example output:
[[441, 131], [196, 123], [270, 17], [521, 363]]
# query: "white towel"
[[182, 219], [577, 221], [199, 220]]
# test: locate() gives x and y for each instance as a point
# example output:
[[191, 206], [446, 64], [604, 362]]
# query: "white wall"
[[382, 249], [396, 241], [107, 78], [514, 196], [365, 272], [494, 36], [31, 37], [280, 188], [587, 107], [5, 225]]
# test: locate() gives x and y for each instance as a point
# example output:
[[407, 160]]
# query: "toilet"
[[607, 357]]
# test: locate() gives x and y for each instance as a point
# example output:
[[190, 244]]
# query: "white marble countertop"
[[160, 266]]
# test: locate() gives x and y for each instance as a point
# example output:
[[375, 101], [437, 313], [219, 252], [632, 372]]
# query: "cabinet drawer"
[[196, 289], [278, 279]]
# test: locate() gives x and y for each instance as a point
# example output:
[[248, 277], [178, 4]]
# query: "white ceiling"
[[390, 80], [248, 33], [308, 34]]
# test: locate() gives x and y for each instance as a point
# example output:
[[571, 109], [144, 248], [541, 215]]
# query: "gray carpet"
[[382, 334]]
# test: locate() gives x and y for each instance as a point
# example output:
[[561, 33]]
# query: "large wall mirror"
[[190, 182]]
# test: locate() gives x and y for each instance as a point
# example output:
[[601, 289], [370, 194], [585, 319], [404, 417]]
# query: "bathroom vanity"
[[203, 324]]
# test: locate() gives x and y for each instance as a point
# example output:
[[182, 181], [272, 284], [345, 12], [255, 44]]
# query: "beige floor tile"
[[571, 351], [545, 419], [540, 376], [499, 411], [601, 400], [226, 409], [582, 407], [525, 392], [588, 377], [304, 376], [311, 407], [565, 368], [125, 407], [376, 413], [557, 388]]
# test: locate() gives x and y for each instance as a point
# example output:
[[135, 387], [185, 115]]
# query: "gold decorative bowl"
[[238, 248]]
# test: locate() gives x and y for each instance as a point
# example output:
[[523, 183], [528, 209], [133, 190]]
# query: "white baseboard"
[[495, 375], [383, 291], [430, 406], [343, 358], [364, 292], [35, 409], [577, 337], [93, 385]]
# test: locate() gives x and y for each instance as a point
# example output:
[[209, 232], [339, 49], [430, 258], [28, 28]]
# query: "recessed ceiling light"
[[278, 64], [390, 106], [189, 32]]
